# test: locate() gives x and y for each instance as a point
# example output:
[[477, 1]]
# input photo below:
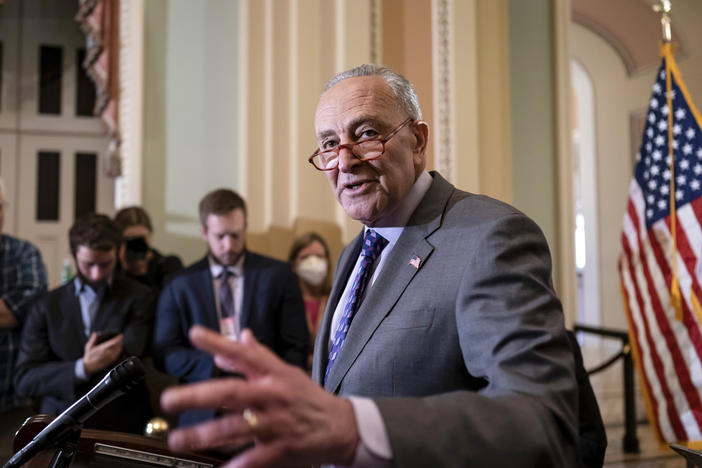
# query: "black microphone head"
[[127, 374]]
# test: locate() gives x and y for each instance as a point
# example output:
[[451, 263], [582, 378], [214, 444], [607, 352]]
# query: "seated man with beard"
[[76, 333]]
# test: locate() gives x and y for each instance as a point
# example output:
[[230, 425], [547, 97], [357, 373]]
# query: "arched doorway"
[[585, 195]]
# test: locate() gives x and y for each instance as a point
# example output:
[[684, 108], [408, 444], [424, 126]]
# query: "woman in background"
[[309, 259], [136, 256]]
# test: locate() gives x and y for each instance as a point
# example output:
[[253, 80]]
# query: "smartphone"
[[105, 335]]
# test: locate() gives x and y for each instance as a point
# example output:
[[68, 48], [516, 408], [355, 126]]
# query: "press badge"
[[228, 328]]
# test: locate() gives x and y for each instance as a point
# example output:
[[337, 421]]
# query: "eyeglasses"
[[365, 150]]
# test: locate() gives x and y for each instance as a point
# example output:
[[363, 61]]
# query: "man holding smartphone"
[[76, 333]]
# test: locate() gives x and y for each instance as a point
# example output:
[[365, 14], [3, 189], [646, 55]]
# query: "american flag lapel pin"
[[415, 261]]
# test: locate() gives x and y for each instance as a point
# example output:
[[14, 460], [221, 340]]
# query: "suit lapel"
[[104, 312], [72, 314], [204, 295], [250, 281], [393, 280], [107, 308]]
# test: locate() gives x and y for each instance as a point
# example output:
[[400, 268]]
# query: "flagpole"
[[664, 9]]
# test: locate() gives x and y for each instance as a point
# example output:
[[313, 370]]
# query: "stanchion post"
[[630, 441]]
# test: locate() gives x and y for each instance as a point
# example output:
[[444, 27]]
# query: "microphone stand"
[[64, 431], [67, 447]]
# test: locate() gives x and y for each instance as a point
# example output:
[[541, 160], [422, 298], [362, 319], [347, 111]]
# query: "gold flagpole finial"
[[664, 8]]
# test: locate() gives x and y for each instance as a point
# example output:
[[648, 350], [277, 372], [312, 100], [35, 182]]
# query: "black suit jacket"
[[53, 339], [272, 309]]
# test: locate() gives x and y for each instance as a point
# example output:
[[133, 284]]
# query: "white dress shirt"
[[89, 300], [374, 450]]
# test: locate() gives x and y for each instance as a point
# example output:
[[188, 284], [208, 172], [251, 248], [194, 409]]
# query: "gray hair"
[[401, 87]]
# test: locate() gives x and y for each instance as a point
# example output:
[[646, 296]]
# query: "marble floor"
[[651, 455], [608, 388]]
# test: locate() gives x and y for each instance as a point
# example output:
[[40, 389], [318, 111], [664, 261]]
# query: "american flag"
[[667, 340]]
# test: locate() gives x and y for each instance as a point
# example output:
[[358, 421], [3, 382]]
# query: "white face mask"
[[312, 270]]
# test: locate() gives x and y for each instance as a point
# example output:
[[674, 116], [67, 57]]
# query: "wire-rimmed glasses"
[[365, 150]]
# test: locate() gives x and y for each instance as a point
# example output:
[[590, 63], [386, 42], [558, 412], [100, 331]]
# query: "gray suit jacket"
[[466, 356]]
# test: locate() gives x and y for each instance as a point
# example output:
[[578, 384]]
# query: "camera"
[[136, 248]]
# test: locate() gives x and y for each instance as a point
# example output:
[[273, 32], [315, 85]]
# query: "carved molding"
[[443, 72], [131, 103], [376, 32]]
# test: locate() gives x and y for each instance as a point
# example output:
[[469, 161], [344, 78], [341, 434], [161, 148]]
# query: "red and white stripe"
[[669, 351]]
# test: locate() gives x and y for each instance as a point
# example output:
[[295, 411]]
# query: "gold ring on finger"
[[251, 419]]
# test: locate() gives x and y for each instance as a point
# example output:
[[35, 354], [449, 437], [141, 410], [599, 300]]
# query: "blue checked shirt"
[[22, 277]]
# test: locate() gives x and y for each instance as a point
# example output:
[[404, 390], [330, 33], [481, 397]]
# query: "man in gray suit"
[[443, 342]]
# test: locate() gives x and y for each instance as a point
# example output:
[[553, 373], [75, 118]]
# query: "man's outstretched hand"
[[291, 419]]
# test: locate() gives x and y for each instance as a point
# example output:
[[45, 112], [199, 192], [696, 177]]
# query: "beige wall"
[[687, 18], [407, 48], [281, 54], [615, 97], [539, 112], [230, 88], [533, 113], [190, 115], [285, 52], [494, 175]]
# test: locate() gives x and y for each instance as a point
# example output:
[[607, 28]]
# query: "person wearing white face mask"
[[309, 258]]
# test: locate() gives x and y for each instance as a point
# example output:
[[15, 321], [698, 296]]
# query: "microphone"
[[122, 378]]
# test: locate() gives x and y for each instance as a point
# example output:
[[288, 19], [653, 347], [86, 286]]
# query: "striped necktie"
[[373, 244], [228, 324]]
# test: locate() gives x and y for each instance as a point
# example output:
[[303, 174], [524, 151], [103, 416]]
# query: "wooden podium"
[[105, 449]]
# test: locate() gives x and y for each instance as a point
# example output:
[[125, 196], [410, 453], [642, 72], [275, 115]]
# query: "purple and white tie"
[[373, 244]]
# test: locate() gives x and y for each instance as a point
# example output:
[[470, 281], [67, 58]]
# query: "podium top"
[[107, 449], [693, 457]]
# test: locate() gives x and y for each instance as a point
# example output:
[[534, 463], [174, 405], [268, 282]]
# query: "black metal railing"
[[630, 441]]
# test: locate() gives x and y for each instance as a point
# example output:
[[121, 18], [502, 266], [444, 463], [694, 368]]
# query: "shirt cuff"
[[374, 449], [79, 371]]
